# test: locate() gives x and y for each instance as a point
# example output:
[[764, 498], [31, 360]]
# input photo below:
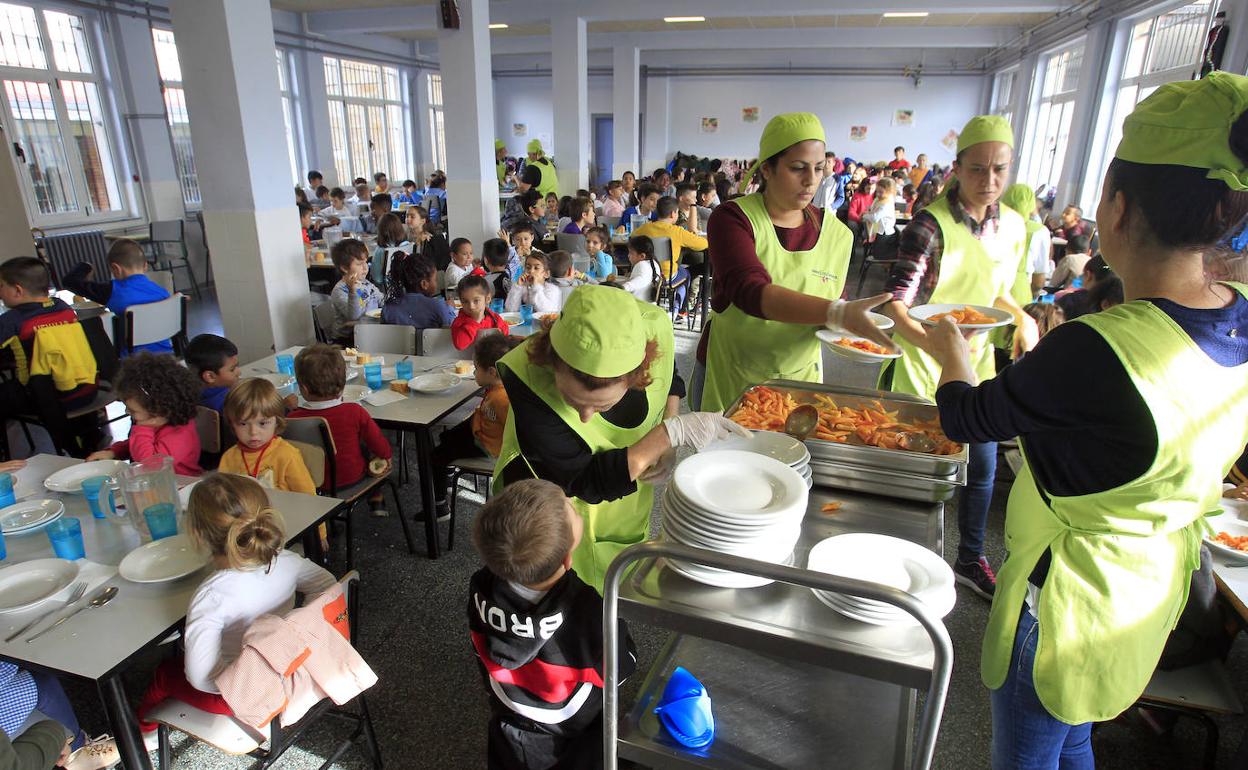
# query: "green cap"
[[985, 128], [1188, 123], [499, 144], [1021, 198], [535, 145], [782, 132], [600, 332]]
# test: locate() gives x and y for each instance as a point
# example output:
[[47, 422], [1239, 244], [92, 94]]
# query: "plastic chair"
[[386, 338], [609, 222], [573, 243], [478, 468], [212, 438], [1196, 692], [153, 322], [436, 343], [171, 233], [230, 736], [326, 318]]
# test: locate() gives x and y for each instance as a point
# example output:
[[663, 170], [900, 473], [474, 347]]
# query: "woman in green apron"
[[500, 160], [540, 172], [1105, 520], [1034, 267], [779, 266], [594, 401]]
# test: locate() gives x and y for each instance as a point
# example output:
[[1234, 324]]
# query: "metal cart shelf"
[[790, 679]]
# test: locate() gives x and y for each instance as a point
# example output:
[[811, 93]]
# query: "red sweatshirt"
[[351, 426], [464, 329], [858, 205], [181, 442]]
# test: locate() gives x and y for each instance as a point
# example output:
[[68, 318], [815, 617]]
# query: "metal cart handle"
[[942, 647]]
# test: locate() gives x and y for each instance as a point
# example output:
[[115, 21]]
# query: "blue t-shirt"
[[601, 265], [138, 290], [214, 398], [418, 310]]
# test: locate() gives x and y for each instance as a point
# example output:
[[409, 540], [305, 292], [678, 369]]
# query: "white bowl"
[[25, 585], [70, 479], [30, 515], [434, 382], [163, 560], [779, 446]]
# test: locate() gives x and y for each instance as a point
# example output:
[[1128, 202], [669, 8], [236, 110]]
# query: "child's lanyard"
[[255, 474]]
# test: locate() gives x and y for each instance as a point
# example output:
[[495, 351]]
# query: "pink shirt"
[[181, 442], [612, 208]]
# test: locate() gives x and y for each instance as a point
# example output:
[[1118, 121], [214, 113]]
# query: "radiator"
[[65, 250]]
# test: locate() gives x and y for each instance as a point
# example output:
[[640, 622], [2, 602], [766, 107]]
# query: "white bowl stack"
[[735, 502], [778, 446], [890, 561]]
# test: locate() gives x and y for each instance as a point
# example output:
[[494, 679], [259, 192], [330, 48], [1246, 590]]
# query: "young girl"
[[391, 237], [413, 295], [641, 281], [534, 289], [257, 414], [426, 240], [160, 396], [229, 516], [881, 219], [521, 239], [601, 264], [474, 294]]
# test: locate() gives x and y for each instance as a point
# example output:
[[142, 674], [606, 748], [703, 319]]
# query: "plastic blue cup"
[[162, 520], [497, 305], [372, 375], [92, 488], [526, 314], [7, 495], [286, 365], [403, 371], [3, 551], [66, 536]]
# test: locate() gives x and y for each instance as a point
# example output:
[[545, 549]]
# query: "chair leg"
[[370, 737], [350, 538], [162, 747], [454, 493], [398, 507]]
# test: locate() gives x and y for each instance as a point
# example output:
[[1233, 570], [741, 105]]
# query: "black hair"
[[208, 353], [359, 180], [658, 172], [28, 272], [337, 192], [685, 187], [530, 198], [642, 245], [647, 188], [408, 272], [313, 176], [322, 191], [899, 147], [382, 199], [1097, 267], [706, 187], [524, 227], [667, 206], [495, 252], [380, 175], [304, 209], [161, 384], [565, 206], [1078, 244], [614, 183], [409, 183], [477, 282], [455, 244], [1107, 289]]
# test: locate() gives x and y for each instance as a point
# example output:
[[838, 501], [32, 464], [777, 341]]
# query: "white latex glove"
[[852, 317], [698, 429], [661, 469]]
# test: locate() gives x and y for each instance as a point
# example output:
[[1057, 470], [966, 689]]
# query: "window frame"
[[186, 177], [1040, 116], [437, 120], [1005, 107], [289, 88], [352, 121]]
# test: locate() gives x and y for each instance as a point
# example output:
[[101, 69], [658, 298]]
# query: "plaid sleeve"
[[918, 260]]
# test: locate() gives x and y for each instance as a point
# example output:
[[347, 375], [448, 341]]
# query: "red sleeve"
[[498, 322], [144, 444], [739, 277], [857, 205], [463, 331], [371, 434]]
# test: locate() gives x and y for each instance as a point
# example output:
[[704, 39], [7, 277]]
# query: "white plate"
[[718, 578], [30, 515], [512, 319], [25, 585], [354, 393], [162, 560], [829, 340], [734, 523], [741, 483], [70, 479], [279, 380], [1231, 525], [891, 561], [434, 382], [374, 360], [881, 321], [923, 312], [780, 446]]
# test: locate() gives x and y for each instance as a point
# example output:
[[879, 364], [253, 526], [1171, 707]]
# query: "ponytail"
[[230, 516]]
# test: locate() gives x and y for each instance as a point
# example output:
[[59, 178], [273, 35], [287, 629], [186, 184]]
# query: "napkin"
[[95, 575], [383, 397], [685, 710]]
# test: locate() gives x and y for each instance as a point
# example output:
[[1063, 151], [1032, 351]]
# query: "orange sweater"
[[490, 418]]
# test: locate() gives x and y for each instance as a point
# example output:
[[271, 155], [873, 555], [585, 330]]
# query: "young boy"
[[410, 194], [419, 305], [601, 264], [474, 314], [461, 263], [315, 180], [337, 210], [322, 374], [533, 620], [129, 286], [647, 201], [533, 289], [353, 295], [562, 274], [215, 360], [496, 256], [522, 237], [322, 198], [305, 223]]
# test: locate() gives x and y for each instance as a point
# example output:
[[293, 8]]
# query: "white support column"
[[15, 239], [1096, 55], [1235, 57], [314, 104], [425, 155], [654, 145], [626, 94], [570, 82], [468, 105], [226, 51]]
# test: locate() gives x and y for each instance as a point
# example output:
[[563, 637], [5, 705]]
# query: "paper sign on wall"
[[903, 118], [749, 114], [520, 129], [950, 141], [710, 125], [857, 133]]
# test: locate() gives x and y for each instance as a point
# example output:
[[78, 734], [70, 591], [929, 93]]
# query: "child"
[[641, 281], [305, 222], [410, 194], [580, 216], [526, 535], [322, 198], [414, 299], [562, 274], [230, 517], [257, 414], [647, 202], [552, 212], [496, 256], [601, 264], [215, 360], [1048, 316], [529, 206], [523, 237], [881, 220], [337, 210], [322, 374], [461, 263], [425, 239], [160, 397], [475, 314], [533, 288], [353, 295], [1071, 266], [129, 286], [391, 235]]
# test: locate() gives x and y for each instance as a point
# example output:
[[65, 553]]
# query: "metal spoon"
[[917, 442], [76, 592], [99, 600], [801, 422]]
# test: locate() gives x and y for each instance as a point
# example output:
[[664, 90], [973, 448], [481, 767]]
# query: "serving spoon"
[[801, 422]]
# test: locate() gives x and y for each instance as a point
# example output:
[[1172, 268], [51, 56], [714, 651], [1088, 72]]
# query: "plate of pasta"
[[967, 317], [1229, 536], [856, 348]]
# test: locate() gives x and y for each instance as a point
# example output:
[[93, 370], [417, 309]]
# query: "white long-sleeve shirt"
[[453, 274], [640, 281], [881, 217], [229, 600], [544, 297]]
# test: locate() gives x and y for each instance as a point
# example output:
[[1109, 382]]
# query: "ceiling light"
[[498, 26], [682, 19], [906, 15]]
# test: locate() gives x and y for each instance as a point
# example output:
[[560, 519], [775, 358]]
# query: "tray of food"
[[877, 481], [865, 428]]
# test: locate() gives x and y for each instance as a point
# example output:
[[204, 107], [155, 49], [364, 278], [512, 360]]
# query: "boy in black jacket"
[[537, 631]]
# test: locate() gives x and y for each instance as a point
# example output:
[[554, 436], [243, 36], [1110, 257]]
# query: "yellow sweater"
[[279, 466], [681, 239]]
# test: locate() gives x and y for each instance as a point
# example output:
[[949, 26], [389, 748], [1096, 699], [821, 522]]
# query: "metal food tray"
[[863, 456], [906, 486]]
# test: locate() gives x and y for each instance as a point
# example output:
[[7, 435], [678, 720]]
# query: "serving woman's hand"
[[852, 317], [947, 344], [698, 429]]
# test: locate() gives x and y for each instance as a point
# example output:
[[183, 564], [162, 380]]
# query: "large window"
[[366, 119], [1049, 133], [1003, 86], [437, 128], [175, 109], [55, 115], [285, 83]]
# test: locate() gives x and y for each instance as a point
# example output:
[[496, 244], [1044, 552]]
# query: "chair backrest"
[[155, 321], [326, 317], [312, 437], [609, 222], [573, 243], [208, 426], [167, 231], [386, 338], [162, 278], [662, 249], [437, 343]]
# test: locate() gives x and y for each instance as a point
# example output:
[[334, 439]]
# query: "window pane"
[[167, 56], [86, 130], [435, 90], [357, 132], [180, 131], [378, 157], [362, 80], [288, 117], [333, 85], [338, 132], [1138, 47], [20, 44], [1178, 38], [398, 142], [69, 42], [392, 84], [38, 134], [281, 71]]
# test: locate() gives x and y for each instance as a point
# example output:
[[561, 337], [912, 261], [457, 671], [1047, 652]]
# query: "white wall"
[[528, 100]]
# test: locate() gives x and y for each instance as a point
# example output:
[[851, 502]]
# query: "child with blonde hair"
[[230, 517], [257, 414]]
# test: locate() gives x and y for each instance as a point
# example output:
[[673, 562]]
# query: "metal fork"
[[75, 593]]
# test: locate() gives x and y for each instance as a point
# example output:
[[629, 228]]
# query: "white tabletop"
[[97, 641], [1232, 581], [417, 409]]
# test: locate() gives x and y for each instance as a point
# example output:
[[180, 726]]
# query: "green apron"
[[972, 272], [745, 350], [610, 526], [550, 180], [1121, 559], [501, 168]]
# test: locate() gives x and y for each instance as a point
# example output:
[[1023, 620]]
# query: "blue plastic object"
[[685, 711]]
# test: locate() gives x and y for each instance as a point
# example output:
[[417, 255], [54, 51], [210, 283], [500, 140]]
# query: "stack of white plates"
[[735, 502], [890, 561], [778, 446]]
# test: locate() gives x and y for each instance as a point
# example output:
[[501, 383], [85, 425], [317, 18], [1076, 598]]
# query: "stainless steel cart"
[[793, 683]]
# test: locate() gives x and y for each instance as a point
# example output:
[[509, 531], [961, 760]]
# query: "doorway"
[[604, 149]]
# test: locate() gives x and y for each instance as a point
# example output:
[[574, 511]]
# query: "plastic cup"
[[403, 371], [3, 551], [162, 520], [372, 375], [66, 536], [7, 495], [92, 488], [497, 305], [526, 314], [286, 365]]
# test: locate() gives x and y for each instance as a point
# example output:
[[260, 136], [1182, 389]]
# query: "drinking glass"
[[162, 520], [66, 536], [403, 371], [92, 489], [372, 375]]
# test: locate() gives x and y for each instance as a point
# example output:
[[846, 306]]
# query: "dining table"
[[100, 644]]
